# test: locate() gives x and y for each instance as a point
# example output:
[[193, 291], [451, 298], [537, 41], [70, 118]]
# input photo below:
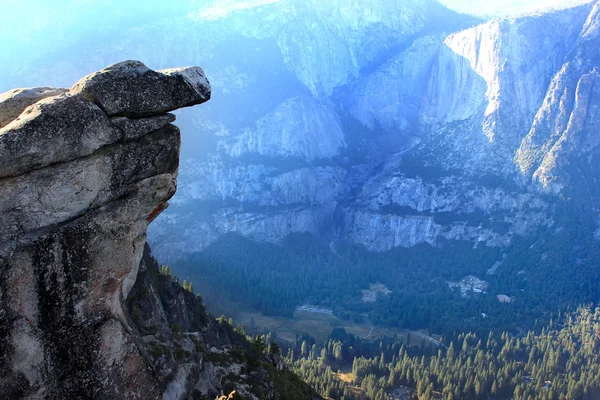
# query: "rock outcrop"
[[81, 177], [133, 90], [14, 102]]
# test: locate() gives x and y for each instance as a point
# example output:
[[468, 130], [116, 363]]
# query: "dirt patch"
[[346, 377]]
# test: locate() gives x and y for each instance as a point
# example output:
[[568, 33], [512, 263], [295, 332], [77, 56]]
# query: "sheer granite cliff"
[[83, 171], [456, 134], [375, 118]]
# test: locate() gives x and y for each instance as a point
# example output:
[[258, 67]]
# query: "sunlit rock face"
[[497, 72], [516, 60], [13, 103], [447, 110], [563, 137], [276, 134], [78, 188]]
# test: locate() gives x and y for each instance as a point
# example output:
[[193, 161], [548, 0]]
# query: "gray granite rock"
[[133, 128], [14, 102], [54, 130], [131, 89], [77, 192]]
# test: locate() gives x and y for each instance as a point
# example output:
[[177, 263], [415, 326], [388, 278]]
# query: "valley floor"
[[318, 325]]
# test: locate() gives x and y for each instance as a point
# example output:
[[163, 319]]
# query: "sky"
[[15, 12], [26, 20], [508, 8]]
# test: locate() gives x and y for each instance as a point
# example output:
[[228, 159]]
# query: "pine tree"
[[304, 349]]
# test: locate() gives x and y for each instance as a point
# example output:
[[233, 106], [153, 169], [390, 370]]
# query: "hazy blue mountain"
[[414, 117], [383, 123]]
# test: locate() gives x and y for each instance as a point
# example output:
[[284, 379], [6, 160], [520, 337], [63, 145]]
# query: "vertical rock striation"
[[563, 139], [82, 174]]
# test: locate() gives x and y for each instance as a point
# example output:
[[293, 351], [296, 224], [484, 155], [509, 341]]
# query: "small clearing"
[[402, 393], [347, 377], [375, 289], [314, 309], [469, 284], [504, 298]]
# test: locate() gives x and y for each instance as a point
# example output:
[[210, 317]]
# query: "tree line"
[[561, 361]]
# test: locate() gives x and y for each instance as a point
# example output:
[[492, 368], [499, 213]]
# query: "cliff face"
[[563, 140], [194, 355], [327, 44], [428, 131], [82, 176]]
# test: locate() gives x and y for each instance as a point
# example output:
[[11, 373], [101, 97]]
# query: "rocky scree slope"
[[83, 171]]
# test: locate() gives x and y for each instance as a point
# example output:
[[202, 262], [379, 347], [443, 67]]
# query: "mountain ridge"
[[449, 103]]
